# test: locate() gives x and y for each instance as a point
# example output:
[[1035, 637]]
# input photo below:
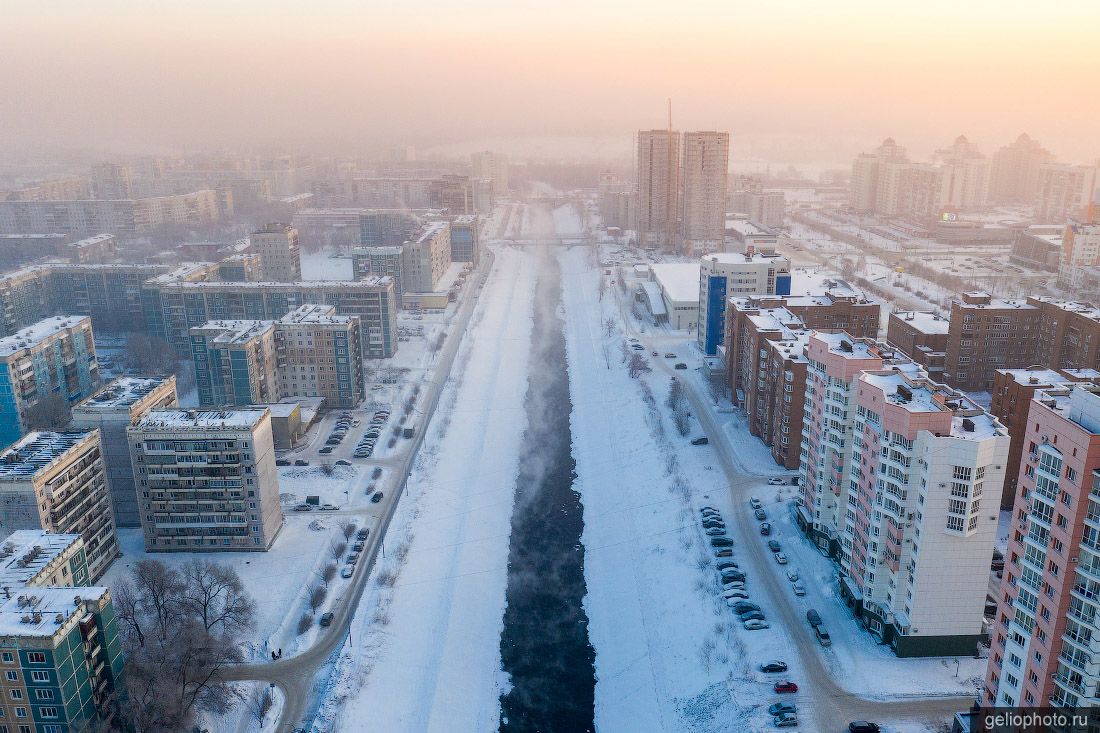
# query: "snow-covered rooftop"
[[236, 331], [968, 419], [924, 321], [314, 313], [806, 281], [981, 300], [25, 552], [33, 335], [747, 228], [1087, 310], [42, 612], [679, 281], [204, 420], [740, 258], [35, 451], [430, 230], [1034, 377], [120, 394]]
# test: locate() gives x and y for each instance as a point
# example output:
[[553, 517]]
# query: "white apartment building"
[[1080, 251], [1064, 191], [56, 482], [280, 257], [206, 480], [425, 259]]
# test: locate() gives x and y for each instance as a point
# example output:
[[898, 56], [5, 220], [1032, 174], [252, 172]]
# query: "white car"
[[792, 575], [776, 481], [799, 589], [755, 503], [781, 558], [756, 625]]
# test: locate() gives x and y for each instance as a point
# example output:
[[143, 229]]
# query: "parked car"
[[755, 503], [326, 619], [347, 572], [760, 515], [342, 462], [723, 552], [376, 497], [813, 617], [326, 450], [776, 481], [700, 441], [715, 531], [328, 508], [863, 726], [352, 558], [755, 625], [779, 708], [721, 542], [787, 720], [732, 574], [799, 589], [765, 529], [744, 606], [670, 355], [785, 686], [723, 564], [822, 635], [792, 575], [733, 585], [708, 508], [357, 547], [732, 596], [301, 462], [774, 666], [773, 545], [680, 365], [303, 508], [362, 534], [282, 462], [751, 616], [713, 524]]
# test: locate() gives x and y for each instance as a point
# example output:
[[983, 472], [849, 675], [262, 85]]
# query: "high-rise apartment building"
[[866, 169], [426, 257], [910, 191], [1044, 636], [380, 262], [764, 207], [280, 258], [1080, 253], [493, 166], [728, 275], [235, 362], [965, 176], [1064, 191], [922, 336], [657, 198], [53, 357], [112, 409], [465, 239], [206, 480], [1014, 170], [987, 334], [57, 482], [704, 180], [896, 469], [113, 181]]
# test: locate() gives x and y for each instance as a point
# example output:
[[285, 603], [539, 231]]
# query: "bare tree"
[[677, 402], [638, 365], [305, 623], [149, 355], [603, 287], [348, 529], [337, 548], [317, 596], [328, 573], [327, 468], [215, 595], [609, 326], [49, 413], [261, 705]]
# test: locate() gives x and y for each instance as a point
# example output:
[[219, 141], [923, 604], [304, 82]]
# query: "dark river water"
[[544, 646]]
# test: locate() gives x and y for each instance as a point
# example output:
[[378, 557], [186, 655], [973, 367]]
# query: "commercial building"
[[113, 409], [1014, 170], [206, 480], [704, 181], [123, 217], [922, 336], [1042, 641], [750, 237], [657, 198], [465, 239], [57, 482], [1037, 248], [1013, 391], [178, 301], [426, 257], [727, 275], [53, 357], [678, 286], [62, 659], [912, 541], [280, 258]]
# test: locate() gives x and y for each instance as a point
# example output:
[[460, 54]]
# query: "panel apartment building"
[[57, 482], [1044, 640], [188, 297], [426, 257], [310, 352], [914, 542], [112, 409], [206, 480], [53, 357], [280, 257], [923, 337], [122, 217]]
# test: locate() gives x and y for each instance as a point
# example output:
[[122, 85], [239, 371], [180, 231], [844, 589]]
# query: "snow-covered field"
[[424, 648], [323, 265]]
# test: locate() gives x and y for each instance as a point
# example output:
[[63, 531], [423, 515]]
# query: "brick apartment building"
[[922, 336]]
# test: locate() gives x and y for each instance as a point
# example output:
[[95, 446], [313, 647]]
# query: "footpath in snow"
[[423, 652]]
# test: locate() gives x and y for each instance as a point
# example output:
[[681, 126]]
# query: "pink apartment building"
[[1045, 641]]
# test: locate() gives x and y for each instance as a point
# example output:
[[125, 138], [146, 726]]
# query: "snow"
[[567, 221], [298, 482], [325, 264], [423, 652], [679, 280]]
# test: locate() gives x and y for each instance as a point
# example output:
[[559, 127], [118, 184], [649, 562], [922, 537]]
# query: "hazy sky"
[[794, 77]]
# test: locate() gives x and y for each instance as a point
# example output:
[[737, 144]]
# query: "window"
[[16, 694], [48, 711], [20, 712], [36, 657], [43, 694], [8, 657], [11, 675], [40, 675]]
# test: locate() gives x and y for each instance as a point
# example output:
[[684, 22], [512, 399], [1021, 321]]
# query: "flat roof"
[[679, 281], [748, 228], [35, 451], [25, 552], [922, 396], [314, 313], [202, 419], [42, 612], [924, 321], [35, 334], [122, 393]]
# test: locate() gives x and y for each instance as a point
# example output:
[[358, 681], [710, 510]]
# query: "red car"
[[786, 686]]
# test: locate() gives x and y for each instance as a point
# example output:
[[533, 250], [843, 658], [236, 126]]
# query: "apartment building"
[[764, 207], [1069, 334], [1014, 170], [866, 171], [380, 261], [206, 480], [1013, 391], [35, 558], [57, 189], [280, 258], [1080, 251], [465, 239], [387, 227], [726, 275], [318, 354], [657, 187], [122, 217], [494, 166], [965, 176], [987, 334], [244, 267], [922, 336], [235, 362], [57, 482], [55, 356], [178, 301], [1063, 191], [61, 658], [704, 181], [426, 257], [1043, 640]]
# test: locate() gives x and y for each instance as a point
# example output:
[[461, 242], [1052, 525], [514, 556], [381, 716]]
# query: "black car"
[[862, 726], [721, 542], [362, 534], [282, 462], [376, 497], [701, 441], [326, 619], [681, 365], [773, 666], [300, 462], [773, 545], [326, 450]]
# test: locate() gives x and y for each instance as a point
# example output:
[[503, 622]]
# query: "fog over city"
[[549, 366]]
